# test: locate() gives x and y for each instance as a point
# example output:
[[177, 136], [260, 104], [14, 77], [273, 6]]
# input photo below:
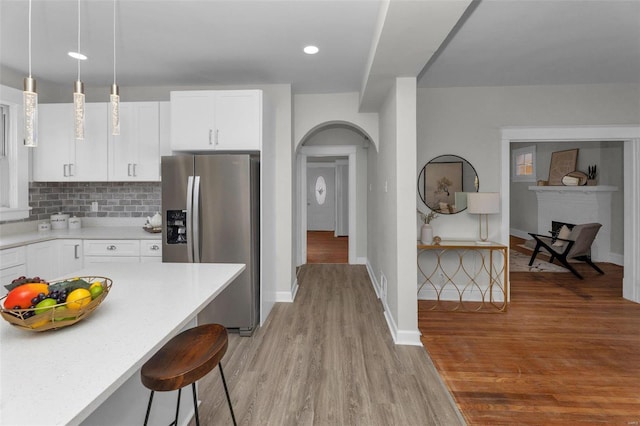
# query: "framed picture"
[[442, 181], [562, 162]]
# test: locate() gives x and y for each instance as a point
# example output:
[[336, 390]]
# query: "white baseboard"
[[372, 277], [616, 259], [288, 296], [361, 261], [520, 234]]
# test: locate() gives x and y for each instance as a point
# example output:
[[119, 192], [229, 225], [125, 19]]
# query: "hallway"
[[323, 247]]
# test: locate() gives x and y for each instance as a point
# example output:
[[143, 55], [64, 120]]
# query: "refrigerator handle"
[[196, 220], [190, 219]]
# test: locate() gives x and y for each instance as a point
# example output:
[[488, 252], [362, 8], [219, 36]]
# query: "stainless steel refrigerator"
[[211, 214]]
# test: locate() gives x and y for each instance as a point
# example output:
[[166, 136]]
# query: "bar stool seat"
[[185, 359]]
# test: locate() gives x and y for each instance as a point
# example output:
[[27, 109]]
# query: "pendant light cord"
[[29, 38], [79, 39], [114, 41]]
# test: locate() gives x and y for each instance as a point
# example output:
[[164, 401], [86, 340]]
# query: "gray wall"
[[607, 155]]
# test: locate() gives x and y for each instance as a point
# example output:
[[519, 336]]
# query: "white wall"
[[391, 207], [466, 121]]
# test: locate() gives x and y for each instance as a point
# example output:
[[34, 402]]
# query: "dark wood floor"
[[323, 247], [566, 352]]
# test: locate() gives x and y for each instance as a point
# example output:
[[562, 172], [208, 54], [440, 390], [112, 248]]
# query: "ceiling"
[[236, 42]]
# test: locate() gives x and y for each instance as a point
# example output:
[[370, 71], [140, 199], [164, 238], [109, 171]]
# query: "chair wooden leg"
[[535, 253], [594, 266], [569, 267]]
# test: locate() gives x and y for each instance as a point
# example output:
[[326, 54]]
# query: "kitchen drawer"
[[116, 248], [12, 257], [151, 248]]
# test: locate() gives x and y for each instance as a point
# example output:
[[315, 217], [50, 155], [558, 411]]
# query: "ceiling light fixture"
[[115, 91], [311, 50], [30, 102], [78, 96], [77, 55]]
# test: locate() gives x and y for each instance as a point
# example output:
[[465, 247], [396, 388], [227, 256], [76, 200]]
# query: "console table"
[[463, 276]]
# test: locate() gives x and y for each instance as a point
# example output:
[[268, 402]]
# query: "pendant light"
[[30, 102], [115, 91], [78, 95]]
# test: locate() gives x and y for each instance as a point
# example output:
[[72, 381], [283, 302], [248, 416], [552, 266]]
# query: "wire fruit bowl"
[[56, 316]]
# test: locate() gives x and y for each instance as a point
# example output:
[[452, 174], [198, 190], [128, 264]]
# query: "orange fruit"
[[78, 299]]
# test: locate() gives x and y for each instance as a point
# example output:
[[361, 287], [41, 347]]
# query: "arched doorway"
[[334, 142]]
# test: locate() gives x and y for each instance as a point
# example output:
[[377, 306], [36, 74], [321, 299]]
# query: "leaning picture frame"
[[442, 181], [562, 162]]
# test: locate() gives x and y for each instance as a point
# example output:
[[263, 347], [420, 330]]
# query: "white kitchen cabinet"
[[134, 155], [42, 260], [111, 248], [216, 120], [12, 264], [70, 256], [150, 251], [59, 157]]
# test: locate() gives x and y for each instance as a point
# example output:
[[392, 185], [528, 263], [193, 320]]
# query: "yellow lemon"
[[78, 299]]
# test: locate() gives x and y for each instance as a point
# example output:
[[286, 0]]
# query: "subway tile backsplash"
[[115, 199]]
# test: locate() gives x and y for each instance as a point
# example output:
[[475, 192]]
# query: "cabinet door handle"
[[75, 251], [129, 169], [71, 171], [210, 136], [64, 170], [154, 247], [111, 247], [134, 169], [217, 136]]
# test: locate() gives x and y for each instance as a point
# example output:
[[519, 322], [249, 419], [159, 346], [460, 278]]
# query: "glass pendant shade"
[[30, 106], [78, 110], [115, 110]]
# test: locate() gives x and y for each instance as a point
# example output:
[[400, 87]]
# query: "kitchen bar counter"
[[87, 233], [60, 377]]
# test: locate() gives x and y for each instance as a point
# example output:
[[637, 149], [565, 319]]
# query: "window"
[[523, 164]]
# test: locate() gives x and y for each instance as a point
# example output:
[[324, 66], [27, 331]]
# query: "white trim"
[[361, 261], [617, 259], [311, 165], [520, 234], [372, 277], [325, 151], [631, 137]]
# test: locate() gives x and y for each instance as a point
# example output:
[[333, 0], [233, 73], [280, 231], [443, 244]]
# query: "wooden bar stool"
[[185, 359]]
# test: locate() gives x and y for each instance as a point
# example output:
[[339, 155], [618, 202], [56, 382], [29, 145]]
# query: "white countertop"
[[59, 377], [88, 233]]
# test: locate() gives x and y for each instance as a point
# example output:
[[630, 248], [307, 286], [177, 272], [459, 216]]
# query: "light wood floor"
[[327, 359], [323, 247], [566, 352]]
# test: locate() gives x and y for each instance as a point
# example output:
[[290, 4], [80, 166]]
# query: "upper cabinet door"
[[192, 120], [59, 157], [238, 120], [90, 163], [134, 155], [51, 159], [216, 120]]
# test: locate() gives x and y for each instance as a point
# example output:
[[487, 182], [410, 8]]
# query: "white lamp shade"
[[483, 202]]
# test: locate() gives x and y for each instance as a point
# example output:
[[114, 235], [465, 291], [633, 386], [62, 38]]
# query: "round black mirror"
[[443, 184]]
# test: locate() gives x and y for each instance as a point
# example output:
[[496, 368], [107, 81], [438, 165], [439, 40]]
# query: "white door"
[[321, 198]]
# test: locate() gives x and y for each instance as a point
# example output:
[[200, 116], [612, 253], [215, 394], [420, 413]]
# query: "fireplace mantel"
[[578, 189], [578, 204]]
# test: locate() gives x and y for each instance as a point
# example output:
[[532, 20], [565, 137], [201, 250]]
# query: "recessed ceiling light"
[[77, 55], [311, 50]]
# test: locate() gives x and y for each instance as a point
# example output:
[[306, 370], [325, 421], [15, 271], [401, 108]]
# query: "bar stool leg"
[[146, 417], [175, 422], [195, 403], [226, 391]]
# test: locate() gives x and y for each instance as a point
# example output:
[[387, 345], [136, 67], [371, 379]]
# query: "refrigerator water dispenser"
[[176, 226]]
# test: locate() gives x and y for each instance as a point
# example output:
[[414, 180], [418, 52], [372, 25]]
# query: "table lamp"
[[483, 203]]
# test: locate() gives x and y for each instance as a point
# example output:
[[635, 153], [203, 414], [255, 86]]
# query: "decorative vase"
[[426, 234]]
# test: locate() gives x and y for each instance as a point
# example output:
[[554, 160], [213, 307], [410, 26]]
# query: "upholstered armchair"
[[576, 246]]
